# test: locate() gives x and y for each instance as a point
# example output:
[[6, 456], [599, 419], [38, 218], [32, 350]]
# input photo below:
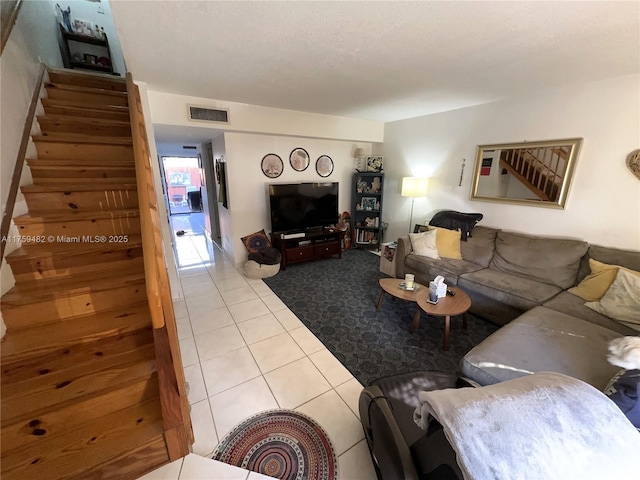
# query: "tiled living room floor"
[[244, 352]]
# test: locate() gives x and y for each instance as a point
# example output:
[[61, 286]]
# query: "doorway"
[[183, 179]]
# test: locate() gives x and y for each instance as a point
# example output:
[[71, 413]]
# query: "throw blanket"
[[542, 426], [456, 221]]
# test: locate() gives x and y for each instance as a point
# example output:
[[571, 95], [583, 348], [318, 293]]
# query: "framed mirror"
[[529, 173]]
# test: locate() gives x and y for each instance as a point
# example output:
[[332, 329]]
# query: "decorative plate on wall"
[[299, 159], [324, 165], [272, 165]]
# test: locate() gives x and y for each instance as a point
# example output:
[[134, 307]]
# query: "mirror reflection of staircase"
[[541, 170], [81, 388]]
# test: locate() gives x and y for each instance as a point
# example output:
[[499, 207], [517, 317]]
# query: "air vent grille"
[[203, 114]]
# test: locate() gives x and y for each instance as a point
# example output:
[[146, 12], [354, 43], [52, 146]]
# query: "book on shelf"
[[366, 236]]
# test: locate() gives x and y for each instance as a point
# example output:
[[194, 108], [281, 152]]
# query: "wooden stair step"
[[98, 196], [53, 299], [91, 126], [82, 138], [49, 423], [77, 224], [84, 79], [91, 96], [72, 181], [62, 107], [45, 169], [36, 262], [51, 348], [79, 147], [83, 162], [44, 391], [98, 441]]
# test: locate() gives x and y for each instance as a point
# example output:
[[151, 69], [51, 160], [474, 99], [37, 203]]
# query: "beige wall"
[[603, 205]]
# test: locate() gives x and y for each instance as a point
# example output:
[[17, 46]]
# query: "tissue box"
[[439, 288]]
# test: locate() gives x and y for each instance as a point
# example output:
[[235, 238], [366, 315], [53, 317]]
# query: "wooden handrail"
[[173, 395], [17, 169], [10, 11]]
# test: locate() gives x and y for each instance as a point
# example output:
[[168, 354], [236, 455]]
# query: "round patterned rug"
[[282, 444]]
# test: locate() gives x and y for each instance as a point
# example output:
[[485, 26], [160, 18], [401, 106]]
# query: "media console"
[[309, 246]]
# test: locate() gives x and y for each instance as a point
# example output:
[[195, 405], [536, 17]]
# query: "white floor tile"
[[288, 319], [210, 320], [194, 280], [330, 411], [188, 352], [218, 342], [170, 471], [232, 406], [197, 306], [184, 328], [197, 390], [248, 310], [355, 463], [228, 370], [204, 431], [238, 295], [350, 393], [330, 367], [275, 352], [262, 289], [200, 290], [196, 467], [179, 309], [297, 383], [231, 283], [307, 340], [260, 328], [273, 302], [190, 271], [225, 271], [250, 281]]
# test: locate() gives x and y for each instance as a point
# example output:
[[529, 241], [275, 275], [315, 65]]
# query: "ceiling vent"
[[204, 114]]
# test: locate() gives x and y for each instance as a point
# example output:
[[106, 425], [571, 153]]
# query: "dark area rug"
[[336, 299], [280, 443]]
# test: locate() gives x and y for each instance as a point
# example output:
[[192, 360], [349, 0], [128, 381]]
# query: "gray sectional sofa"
[[521, 281]]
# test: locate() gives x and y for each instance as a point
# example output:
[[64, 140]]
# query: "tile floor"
[[244, 352]]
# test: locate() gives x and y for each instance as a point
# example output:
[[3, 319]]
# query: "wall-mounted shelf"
[[73, 44]]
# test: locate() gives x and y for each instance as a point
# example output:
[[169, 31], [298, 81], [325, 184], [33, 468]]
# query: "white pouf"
[[255, 270]]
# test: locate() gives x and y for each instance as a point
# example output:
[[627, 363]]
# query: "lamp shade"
[[414, 187]]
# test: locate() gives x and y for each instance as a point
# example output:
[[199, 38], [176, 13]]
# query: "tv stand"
[[312, 245]]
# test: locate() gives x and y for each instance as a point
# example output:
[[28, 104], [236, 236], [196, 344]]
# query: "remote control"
[[451, 292]]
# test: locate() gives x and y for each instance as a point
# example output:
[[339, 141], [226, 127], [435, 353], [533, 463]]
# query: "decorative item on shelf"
[[83, 27], [414, 187], [633, 163], [299, 159], [368, 203], [90, 59], [374, 163], [272, 165], [104, 61], [361, 160], [64, 17], [324, 165]]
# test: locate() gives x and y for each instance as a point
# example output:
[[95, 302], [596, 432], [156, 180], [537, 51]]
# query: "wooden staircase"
[[92, 384], [540, 170]]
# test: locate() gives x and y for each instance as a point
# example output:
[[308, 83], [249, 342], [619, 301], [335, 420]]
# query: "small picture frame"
[[324, 165], [374, 163], [90, 59], [368, 203], [299, 159], [272, 165]]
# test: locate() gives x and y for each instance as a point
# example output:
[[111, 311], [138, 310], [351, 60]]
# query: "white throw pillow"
[[622, 301], [425, 244]]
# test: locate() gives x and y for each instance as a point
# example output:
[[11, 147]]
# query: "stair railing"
[[543, 169], [7, 215], [173, 396]]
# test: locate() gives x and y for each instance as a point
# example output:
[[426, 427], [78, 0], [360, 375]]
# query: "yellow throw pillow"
[[448, 243], [596, 284]]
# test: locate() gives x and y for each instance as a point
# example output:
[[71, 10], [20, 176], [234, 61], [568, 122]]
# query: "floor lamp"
[[414, 187]]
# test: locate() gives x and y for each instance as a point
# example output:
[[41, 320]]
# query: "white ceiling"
[[374, 60]]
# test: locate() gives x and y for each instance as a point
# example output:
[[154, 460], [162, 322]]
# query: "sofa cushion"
[[549, 260], [448, 243], [424, 243], [517, 291], [613, 256], [543, 340], [595, 285], [572, 305], [479, 247], [622, 300], [449, 268]]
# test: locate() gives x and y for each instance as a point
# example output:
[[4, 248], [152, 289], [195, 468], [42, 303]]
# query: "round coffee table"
[[392, 287], [446, 307]]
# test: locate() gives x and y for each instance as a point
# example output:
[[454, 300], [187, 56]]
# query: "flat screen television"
[[296, 207]]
